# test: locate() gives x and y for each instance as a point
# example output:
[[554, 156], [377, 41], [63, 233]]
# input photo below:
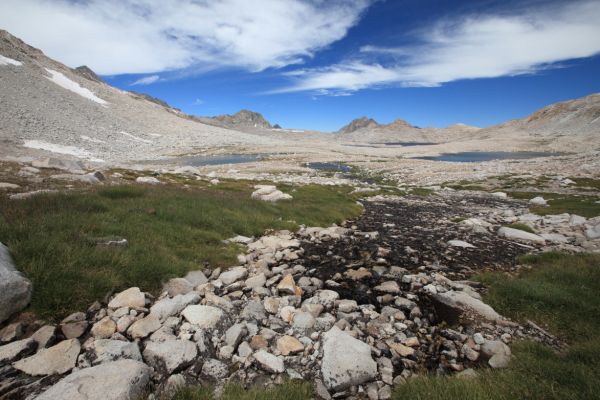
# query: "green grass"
[[585, 206], [291, 390], [560, 292], [423, 192], [170, 229], [593, 183], [521, 227]]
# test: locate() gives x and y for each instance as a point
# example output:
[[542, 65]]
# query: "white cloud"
[[149, 36], [147, 80], [483, 46]]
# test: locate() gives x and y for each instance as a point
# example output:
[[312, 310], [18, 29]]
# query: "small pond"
[[480, 156], [198, 161], [409, 144], [329, 166]]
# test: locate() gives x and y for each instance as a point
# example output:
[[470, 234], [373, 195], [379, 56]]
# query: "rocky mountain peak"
[[246, 119], [359, 123], [87, 73]]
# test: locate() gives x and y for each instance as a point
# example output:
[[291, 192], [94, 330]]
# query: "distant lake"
[[408, 144], [198, 161], [480, 156], [329, 166]]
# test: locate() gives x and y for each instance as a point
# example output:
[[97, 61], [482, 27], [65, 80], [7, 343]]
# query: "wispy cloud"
[[198, 102], [469, 47], [147, 80], [149, 36]]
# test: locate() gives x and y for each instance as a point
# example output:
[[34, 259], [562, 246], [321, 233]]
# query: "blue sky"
[[318, 64]]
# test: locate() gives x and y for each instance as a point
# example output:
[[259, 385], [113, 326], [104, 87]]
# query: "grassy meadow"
[[171, 229]]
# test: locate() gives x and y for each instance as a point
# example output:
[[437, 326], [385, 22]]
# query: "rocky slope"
[[354, 309], [368, 130], [567, 126], [47, 106]]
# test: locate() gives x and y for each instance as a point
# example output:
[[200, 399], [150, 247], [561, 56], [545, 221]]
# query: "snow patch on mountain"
[[74, 87], [137, 139], [7, 61], [90, 139], [60, 149]]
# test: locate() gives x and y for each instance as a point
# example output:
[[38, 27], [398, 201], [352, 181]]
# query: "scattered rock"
[[233, 275], [131, 297], [519, 235], [205, 317], [118, 380], [104, 328], [269, 193], [538, 201], [269, 362], [74, 325], [170, 355], [149, 180], [453, 306], [177, 286], [346, 361], [57, 359], [144, 327], [289, 345]]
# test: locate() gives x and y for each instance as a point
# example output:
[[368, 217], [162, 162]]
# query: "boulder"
[[170, 355], [538, 201], [74, 325], [593, 232], [287, 286], [205, 317], [196, 278], [233, 275], [346, 361], [177, 286], [16, 349], [57, 359], [326, 298], [215, 369], [519, 235], [452, 306], [390, 287], [149, 180], [118, 380], [496, 353], [269, 193], [269, 362], [144, 327], [168, 307], [107, 350], [104, 328], [460, 243], [576, 220], [132, 298], [15, 289], [289, 345]]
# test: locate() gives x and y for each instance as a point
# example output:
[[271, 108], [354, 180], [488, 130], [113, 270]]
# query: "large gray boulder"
[[15, 289], [107, 350], [346, 361], [118, 380], [519, 235], [171, 355], [453, 306], [57, 359]]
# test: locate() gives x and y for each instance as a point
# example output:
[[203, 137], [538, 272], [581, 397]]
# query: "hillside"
[[49, 106]]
